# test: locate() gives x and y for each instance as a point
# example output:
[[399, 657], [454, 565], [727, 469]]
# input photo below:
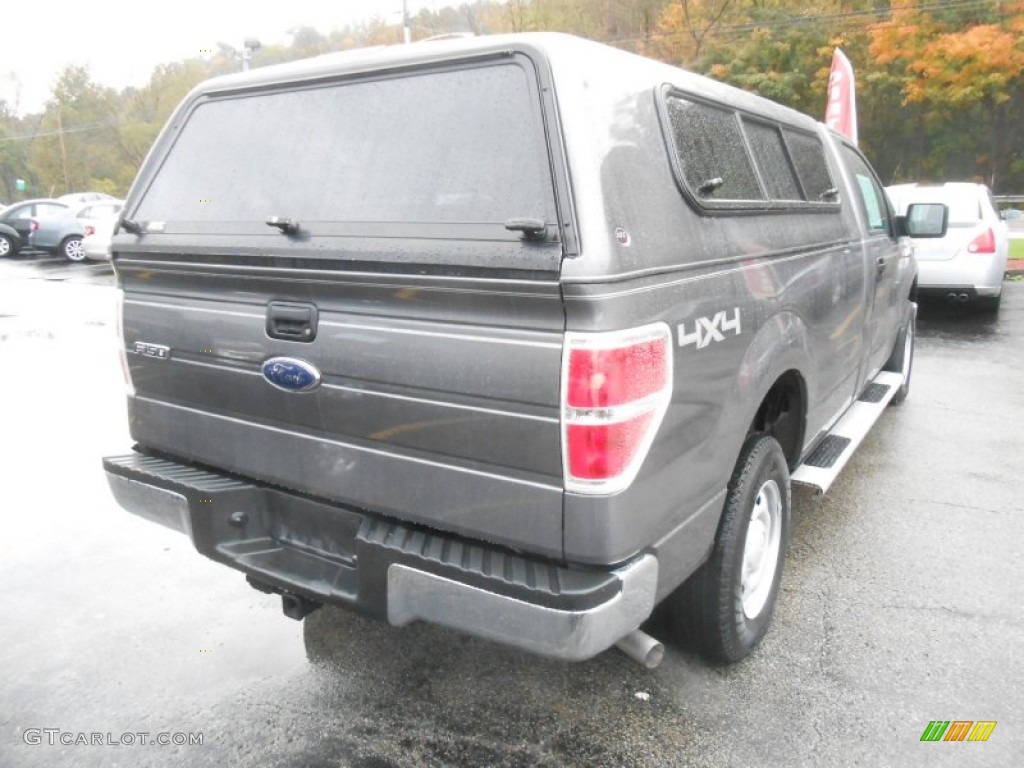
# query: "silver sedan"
[[966, 265]]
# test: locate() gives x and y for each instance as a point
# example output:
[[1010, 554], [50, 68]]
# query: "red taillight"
[[640, 371], [90, 230], [983, 243], [601, 451], [616, 390]]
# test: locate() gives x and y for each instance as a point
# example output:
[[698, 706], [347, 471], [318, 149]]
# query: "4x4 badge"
[[707, 330]]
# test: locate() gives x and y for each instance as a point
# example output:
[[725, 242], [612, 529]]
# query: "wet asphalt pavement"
[[901, 602]]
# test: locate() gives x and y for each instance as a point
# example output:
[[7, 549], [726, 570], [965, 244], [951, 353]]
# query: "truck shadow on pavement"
[[426, 695]]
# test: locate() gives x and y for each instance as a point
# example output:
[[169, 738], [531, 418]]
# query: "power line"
[[74, 129]]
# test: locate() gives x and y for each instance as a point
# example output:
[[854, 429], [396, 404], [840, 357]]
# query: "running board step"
[[820, 469]]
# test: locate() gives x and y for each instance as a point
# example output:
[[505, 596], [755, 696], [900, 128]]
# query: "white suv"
[[968, 263]]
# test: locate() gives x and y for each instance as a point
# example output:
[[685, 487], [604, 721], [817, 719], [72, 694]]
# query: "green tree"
[[14, 161], [76, 144]]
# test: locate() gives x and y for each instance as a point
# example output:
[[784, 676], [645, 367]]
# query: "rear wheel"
[[72, 248], [724, 609], [902, 359], [7, 246]]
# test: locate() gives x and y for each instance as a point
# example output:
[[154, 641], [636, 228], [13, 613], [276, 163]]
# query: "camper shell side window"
[[726, 160]]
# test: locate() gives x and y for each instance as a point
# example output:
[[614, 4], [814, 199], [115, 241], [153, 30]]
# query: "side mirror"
[[924, 220]]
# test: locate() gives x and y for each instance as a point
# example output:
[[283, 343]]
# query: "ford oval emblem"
[[291, 374]]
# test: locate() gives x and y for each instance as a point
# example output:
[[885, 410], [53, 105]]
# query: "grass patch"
[[1017, 247]]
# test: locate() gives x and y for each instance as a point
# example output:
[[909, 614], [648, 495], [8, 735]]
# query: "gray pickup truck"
[[518, 335]]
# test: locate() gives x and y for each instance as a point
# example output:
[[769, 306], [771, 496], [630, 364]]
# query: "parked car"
[[10, 240], [967, 265], [64, 231], [519, 365], [1014, 219], [18, 220], [77, 198], [98, 231]]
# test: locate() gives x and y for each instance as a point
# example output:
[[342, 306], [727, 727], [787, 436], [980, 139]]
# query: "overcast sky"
[[122, 40]]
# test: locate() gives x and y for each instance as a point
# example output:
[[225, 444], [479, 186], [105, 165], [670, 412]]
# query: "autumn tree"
[[685, 25], [967, 67]]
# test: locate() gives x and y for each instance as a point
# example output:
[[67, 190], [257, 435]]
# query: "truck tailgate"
[[438, 401]]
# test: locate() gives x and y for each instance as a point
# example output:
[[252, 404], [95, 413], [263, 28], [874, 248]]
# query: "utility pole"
[[406, 32], [63, 149]]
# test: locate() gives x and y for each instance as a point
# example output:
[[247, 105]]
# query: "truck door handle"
[[880, 268], [291, 322]]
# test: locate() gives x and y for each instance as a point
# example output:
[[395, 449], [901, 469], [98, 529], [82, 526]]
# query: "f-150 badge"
[[706, 330]]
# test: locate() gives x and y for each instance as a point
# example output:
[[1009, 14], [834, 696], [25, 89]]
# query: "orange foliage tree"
[[962, 68]]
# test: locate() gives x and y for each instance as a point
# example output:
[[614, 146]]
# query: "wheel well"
[[782, 414]]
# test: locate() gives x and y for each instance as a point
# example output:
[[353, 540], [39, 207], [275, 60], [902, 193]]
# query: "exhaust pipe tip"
[[963, 298], [951, 298], [643, 648]]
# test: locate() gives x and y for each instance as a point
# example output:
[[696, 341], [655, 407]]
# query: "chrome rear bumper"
[[324, 553], [563, 634]]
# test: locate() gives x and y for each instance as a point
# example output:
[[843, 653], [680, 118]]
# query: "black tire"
[[7, 246], [708, 612], [71, 248], [902, 358]]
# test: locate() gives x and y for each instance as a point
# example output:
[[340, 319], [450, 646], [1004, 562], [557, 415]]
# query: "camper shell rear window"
[[457, 146], [728, 160]]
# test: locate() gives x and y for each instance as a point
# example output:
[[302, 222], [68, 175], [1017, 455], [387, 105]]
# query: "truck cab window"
[[872, 200]]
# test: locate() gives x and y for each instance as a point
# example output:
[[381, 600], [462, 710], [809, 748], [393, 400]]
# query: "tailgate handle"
[[291, 322]]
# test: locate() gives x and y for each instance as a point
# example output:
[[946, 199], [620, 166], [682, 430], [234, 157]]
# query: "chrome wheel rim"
[[74, 250], [761, 549], [5, 246]]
